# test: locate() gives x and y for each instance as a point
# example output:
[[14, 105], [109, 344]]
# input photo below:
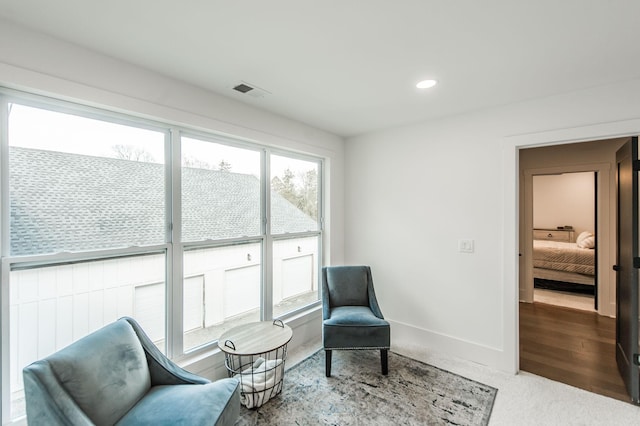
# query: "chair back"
[[347, 285], [104, 374]]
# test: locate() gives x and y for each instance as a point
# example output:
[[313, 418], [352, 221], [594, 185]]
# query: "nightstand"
[[565, 235]]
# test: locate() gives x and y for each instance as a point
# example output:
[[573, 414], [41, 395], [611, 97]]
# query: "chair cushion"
[[360, 316], [351, 327], [348, 285], [105, 373], [188, 405]]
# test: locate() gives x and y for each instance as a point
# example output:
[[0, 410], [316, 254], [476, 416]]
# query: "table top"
[[255, 338]]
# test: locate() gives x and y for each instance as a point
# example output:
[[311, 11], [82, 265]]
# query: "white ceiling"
[[350, 66]]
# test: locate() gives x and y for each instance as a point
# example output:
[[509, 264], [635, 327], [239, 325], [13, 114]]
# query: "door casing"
[[625, 267]]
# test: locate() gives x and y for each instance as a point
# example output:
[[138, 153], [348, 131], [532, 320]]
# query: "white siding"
[[149, 303], [54, 306]]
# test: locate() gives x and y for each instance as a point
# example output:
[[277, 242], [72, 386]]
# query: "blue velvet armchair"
[[351, 317], [116, 375]]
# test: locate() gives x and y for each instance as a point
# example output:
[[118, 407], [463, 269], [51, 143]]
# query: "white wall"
[[414, 191], [565, 199], [39, 64]]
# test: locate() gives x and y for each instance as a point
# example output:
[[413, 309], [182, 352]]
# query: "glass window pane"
[[79, 184], [221, 290], [295, 274], [294, 195], [53, 306], [220, 191]]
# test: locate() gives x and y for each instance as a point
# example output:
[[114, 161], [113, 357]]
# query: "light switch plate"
[[465, 246]]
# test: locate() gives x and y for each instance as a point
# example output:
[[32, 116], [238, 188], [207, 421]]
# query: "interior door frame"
[[603, 221], [511, 145]]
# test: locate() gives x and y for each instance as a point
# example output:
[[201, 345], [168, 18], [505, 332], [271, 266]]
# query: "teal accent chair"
[[117, 376], [351, 317]]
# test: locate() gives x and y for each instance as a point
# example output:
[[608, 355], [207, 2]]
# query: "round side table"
[[255, 353]]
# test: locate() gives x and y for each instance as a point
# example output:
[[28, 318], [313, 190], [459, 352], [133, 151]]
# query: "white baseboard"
[[406, 340], [416, 343]]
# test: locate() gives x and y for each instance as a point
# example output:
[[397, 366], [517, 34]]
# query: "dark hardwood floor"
[[571, 346]]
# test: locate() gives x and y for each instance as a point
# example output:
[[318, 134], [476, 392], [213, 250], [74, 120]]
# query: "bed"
[[566, 266]]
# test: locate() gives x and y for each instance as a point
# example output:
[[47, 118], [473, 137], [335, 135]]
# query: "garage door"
[[297, 276]]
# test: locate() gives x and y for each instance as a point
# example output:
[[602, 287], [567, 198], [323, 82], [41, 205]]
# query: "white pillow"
[[586, 240]]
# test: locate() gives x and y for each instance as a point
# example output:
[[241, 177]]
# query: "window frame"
[[319, 232], [173, 247]]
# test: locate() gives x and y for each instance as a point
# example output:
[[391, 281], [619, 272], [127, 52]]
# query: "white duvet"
[[561, 256]]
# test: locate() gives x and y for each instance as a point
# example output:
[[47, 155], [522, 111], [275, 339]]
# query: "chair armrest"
[[326, 301], [373, 301], [163, 371], [47, 401]]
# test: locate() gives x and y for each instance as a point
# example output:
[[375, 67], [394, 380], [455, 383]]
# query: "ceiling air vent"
[[243, 88], [250, 89]]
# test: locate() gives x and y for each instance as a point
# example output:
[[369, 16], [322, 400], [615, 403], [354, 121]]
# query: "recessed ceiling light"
[[425, 84]]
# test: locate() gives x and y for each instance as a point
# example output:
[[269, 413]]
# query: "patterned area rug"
[[357, 393]]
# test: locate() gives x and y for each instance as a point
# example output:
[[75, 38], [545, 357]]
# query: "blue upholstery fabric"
[[353, 327], [211, 403], [105, 373], [347, 285], [354, 315], [48, 403], [352, 318], [162, 370], [117, 371]]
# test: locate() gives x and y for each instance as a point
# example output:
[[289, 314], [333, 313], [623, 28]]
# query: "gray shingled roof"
[[70, 202]]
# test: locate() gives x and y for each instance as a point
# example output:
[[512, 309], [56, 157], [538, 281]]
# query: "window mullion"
[[267, 248], [4, 266], [4, 178], [174, 262]]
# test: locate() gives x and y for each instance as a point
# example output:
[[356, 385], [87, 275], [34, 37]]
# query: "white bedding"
[[561, 256]]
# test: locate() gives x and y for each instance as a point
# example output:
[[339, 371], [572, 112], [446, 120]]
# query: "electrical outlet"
[[465, 246]]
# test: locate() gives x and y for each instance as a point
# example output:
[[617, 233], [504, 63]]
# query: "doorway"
[[564, 243], [597, 157]]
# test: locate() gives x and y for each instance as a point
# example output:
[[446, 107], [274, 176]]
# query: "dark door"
[[626, 272]]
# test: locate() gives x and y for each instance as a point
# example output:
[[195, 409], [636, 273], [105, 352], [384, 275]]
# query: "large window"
[[105, 215]]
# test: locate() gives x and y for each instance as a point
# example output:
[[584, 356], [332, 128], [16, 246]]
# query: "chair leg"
[[384, 360], [327, 360]]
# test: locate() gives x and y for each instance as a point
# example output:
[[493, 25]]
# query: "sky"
[[56, 131]]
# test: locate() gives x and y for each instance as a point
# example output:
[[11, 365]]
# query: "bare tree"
[[196, 163], [132, 153]]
